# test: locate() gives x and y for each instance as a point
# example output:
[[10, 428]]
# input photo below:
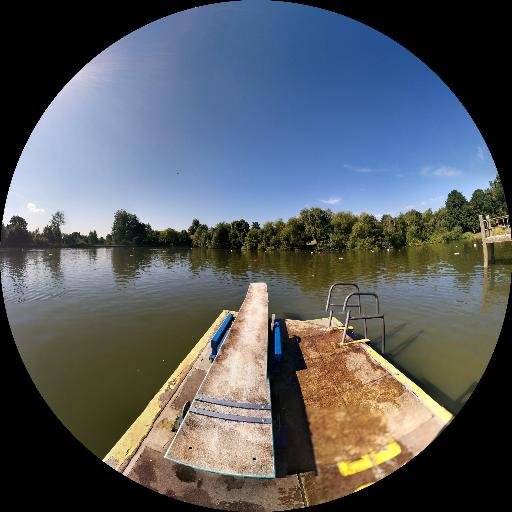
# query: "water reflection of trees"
[[14, 267], [172, 257], [129, 262], [315, 272], [51, 260], [92, 254]]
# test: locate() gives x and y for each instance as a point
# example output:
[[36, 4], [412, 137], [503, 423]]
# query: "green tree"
[[497, 197], [269, 236], [127, 229], [366, 233], [317, 225], [253, 238], [458, 212], [481, 203], [202, 236], [52, 232], [193, 227], [221, 236], [341, 227], [415, 229], [292, 234], [92, 238], [74, 239], [393, 231], [237, 233], [16, 233], [183, 239], [255, 225]]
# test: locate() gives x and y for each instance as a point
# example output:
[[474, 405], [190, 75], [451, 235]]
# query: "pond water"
[[101, 329]]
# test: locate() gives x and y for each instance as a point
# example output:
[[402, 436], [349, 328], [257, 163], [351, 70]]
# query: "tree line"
[[312, 229]]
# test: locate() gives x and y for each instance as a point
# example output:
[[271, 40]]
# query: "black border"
[[49, 42]]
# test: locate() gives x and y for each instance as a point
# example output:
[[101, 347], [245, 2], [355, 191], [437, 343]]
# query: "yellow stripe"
[[356, 466], [362, 487], [130, 441], [390, 452], [369, 460]]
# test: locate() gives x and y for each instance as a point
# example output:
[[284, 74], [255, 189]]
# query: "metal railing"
[[329, 305], [487, 224], [376, 315]]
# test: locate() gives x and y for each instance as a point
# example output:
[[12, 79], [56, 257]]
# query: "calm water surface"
[[101, 329]]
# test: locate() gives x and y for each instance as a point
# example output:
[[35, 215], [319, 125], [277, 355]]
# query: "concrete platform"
[[348, 416], [228, 428]]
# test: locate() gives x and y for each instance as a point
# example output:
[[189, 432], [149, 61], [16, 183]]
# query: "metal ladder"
[[345, 307]]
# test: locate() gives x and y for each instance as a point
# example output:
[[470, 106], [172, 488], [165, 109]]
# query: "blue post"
[[219, 335], [277, 341]]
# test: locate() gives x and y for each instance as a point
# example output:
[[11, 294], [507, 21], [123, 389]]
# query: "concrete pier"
[[488, 229], [350, 419], [228, 428]]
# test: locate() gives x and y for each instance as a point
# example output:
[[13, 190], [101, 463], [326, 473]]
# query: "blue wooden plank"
[[219, 335], [277, 341]]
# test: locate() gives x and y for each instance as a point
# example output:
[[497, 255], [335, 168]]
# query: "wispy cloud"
[[331, 200], [442, 171], [480, 153], [31, 207], [358, 169]]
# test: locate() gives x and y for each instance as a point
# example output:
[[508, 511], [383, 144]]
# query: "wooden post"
[[484, 244], [491, 252], [482, 227]]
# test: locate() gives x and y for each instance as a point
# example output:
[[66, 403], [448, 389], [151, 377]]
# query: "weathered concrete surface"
[[121, 453], [366, 418], [373, 420], [240, 369], [239, 374]]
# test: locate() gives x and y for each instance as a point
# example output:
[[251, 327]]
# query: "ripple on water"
[[107, 313]]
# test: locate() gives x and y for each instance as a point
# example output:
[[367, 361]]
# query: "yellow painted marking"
[[356, 466], [130, 441], [362, 487], [390, 452], [369, 460]]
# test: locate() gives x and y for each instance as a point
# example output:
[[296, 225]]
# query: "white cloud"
[[442, 170], [31, 207], [358, 169], [331, 200], [480, 153]]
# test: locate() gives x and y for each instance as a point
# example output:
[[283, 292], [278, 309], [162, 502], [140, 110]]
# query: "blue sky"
[[248, 110]]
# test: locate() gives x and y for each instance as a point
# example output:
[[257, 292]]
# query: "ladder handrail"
[[328, 305], [377, 315], [359, 294]]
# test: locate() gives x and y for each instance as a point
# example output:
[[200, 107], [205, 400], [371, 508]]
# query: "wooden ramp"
[[228, 428]]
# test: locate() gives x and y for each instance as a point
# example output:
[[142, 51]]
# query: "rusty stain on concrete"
[[337, 404]]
